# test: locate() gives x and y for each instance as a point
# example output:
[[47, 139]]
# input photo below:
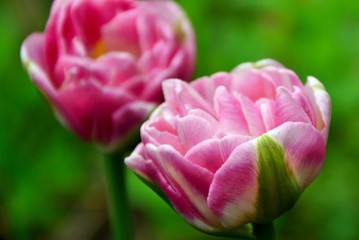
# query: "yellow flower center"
[[99, 49]]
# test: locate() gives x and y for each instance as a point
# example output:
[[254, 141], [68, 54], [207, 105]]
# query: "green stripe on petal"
[[277, 187]]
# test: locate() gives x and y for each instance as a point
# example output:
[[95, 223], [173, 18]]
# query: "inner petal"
[[301, 97], [252, 115], [193, 130], [212, 153], [121, 34], [255, 85], [289, 110], [268, 112], [229, 112]]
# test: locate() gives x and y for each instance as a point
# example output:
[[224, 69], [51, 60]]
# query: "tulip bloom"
[[235, 148], [100, 63]]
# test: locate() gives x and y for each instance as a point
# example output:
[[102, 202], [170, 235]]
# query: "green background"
[[52, 185]]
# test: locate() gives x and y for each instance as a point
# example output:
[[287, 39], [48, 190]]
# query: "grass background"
[[51, 184]]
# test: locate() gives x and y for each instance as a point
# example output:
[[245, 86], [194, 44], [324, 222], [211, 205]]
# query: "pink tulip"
[[100, 63], [235, 148]]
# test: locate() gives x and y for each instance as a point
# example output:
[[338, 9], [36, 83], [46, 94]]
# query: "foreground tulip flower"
[[235, 148], [100, 63]]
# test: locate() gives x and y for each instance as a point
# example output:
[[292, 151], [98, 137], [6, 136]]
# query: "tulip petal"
[[155, 178], [229, 112], [192, 130], [304, 148], [182, 97], [120, 34], [252, 114], [32, 56], [207, 117], [130, 116], [80, 95], [118, 69], [191, 182], [162, 130], [283, 77], [302, 99], [59, 34], [288, 110], [88, 17], [232, 194], [254, 85], [322, 104], [241, 169], [268, 112], [261, 64], [206, 86], [138, 163], [163, 119], [81, 103], [152, 134], [146, 32], [278, 190], [207, 154], [213, 153]]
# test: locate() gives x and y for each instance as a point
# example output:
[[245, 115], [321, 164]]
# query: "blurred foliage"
[[51, 184]]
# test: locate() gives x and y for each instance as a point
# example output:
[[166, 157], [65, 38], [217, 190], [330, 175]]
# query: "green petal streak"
[[278, 189]]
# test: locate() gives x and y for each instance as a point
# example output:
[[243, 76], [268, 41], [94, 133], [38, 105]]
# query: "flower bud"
[[100, 63], [235, 148]]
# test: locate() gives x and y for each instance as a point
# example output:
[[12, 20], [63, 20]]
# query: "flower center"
[[99, 49], [121, 45]]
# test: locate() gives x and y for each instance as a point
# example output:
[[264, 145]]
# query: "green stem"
[[119, 210], [264, 231]]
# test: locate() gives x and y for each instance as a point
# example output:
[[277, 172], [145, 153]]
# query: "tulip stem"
[[119, 211], [264, 231]]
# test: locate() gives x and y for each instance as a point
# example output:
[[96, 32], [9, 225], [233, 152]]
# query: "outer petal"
[[304, 148], [277, 188], [58, 36], [156, 178], [32, 56], [232, 194], [85, 103], [130, 116], [322, 104], [138, 163], [252, 168], [188, 180], [287, 159], [88, 110]]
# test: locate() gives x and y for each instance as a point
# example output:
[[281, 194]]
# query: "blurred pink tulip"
[[235, 148], [100, 63]]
